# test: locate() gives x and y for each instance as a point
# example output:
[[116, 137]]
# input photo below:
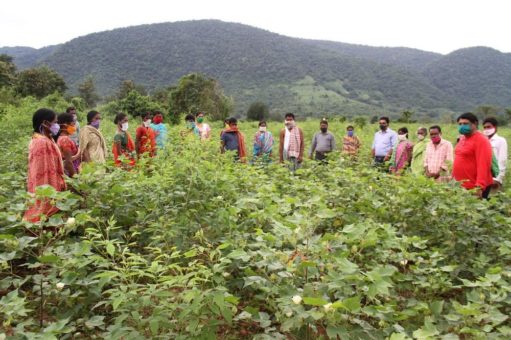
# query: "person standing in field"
[[402, 156], [145, 137], [68, 147], [44, 163], [384, 143], [350, 142], [92, 142], [419, 150], [323, 142], [204, 129], [191, 127], [123, 144], [438, 157], [263, 143], [291, 143], [499, 146], [473, 157], [75, 137], [233, 140], [160, 130]]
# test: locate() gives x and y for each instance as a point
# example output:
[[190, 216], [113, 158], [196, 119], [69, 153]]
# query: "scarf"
[[242, 151], [294, 143]]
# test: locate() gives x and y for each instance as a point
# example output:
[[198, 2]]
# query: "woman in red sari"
[[145, 141], [44, 163], [123, 144], [67, 146]]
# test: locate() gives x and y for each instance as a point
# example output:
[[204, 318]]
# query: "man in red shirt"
[[472, 157]]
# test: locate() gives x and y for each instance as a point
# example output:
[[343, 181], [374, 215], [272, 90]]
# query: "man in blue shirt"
[[384, 143]]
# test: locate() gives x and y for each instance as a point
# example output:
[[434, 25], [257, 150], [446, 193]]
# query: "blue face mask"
[[350, 133], [464, 129]]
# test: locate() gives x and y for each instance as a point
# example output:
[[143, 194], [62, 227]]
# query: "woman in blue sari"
[[263, 144]]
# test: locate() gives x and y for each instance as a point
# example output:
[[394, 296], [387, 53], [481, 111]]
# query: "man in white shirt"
[[499, 146]]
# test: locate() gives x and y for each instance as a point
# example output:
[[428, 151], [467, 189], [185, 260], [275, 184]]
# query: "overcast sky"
[[432, 25]]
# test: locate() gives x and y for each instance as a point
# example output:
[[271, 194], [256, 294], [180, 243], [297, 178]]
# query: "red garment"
[[126, 149], [472, 161], [146, 138], [44, 168], [65, 143]]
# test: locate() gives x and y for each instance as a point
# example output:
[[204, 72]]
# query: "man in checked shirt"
[[439, 156]]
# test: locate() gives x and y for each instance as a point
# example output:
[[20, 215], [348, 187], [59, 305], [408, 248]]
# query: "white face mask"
[[147, 123], [401, 137], [262, 128], [421, 137], [489, 132], [124, 126]]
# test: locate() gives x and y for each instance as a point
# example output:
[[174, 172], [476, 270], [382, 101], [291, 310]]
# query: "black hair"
[[200, 112], [119, 117], [233, 120], [262, 122], [157, 112], [289, 114], [91, 115], [323, 121], [403, 129], [470, 117], [41, 116], [491, 120], [435, 127], [189, 117], [65, 118], [350, 127], [423, 129], [69, 109], [146, 114], [385, 119]]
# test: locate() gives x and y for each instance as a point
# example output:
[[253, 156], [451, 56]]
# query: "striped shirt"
[[439, 157]]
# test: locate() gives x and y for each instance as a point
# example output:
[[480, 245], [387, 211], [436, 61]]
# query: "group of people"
[[59, 147]]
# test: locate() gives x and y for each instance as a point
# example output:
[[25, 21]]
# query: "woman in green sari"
[[419, 151]]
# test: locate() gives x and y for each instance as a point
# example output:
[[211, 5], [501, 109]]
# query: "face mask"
[[147, 123], [436, 139], [324, 130], [262, 128], [74, 118], [54, 129], [401, 137], [383, 127], [421, 137], [95, 124], [489, 132], [464, 129], [124, 126], [71, 129], [200, 119], [157, 120], [289, 124], [190, 125], [351, 133]]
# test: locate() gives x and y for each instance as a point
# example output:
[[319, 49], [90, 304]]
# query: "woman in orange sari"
[[123, 144], [44, 163], [145, 137], [67, 146]]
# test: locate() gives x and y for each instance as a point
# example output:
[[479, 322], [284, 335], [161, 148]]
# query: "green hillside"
[[307, 76]]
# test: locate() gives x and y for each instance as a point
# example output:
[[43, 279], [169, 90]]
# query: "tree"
[[127, 86], [135, 104], [484, 111], [87, 91], [258, 111], [195, 92], [360, 122], [39, 82], [406, 117], [7, 70]]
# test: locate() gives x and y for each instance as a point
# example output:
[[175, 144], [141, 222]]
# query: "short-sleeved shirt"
[[230, 140]]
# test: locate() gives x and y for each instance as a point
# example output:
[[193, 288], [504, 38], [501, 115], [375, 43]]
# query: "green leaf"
[[436, 307], [110, 249], [313, 301], [48, 259], [352, 304]]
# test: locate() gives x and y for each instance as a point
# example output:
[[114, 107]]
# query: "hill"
[[290, 74]]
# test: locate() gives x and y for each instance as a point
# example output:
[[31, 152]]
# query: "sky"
[[433, 25]]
